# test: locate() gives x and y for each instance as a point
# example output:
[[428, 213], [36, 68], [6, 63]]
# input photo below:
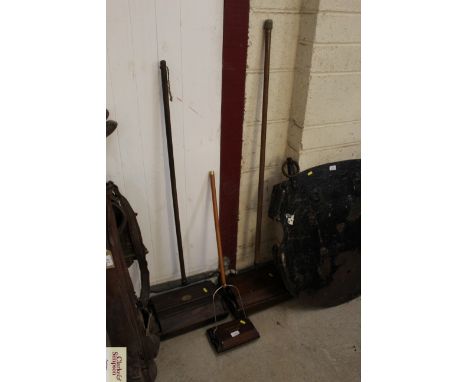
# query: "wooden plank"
[[235, 35], [139, 35], [113, 162], [168, 39], [201, 46], [121, 73], [161, 263]]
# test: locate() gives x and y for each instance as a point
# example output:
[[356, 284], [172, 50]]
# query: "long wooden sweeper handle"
[[218, 231], [170, 153], [267, 26]]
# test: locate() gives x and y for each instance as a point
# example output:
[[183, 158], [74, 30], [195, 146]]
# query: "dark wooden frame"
[[235, 40]]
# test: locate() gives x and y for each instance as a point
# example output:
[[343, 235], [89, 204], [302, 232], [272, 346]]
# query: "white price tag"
[[290, 219], [109, 260]]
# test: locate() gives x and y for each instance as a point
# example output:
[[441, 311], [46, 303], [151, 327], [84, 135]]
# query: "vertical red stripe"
[[235, 39]]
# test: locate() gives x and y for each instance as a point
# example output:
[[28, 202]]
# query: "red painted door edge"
[[235, 40]]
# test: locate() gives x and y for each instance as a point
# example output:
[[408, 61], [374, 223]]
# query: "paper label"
[[116, 364], [290, 219], [333, 167], [234, 334], [109, 260]]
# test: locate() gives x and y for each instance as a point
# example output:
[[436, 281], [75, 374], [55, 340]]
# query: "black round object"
[[320, 211]]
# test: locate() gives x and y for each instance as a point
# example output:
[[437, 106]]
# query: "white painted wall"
[[188, 35]]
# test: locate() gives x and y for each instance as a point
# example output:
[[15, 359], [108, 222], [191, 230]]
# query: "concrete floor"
[[297, 343]]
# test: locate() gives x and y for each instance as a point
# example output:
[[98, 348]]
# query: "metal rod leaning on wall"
[[170, 152], [267, 27]]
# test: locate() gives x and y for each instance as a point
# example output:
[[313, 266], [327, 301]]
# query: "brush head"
[[183, 309], [231, 334]]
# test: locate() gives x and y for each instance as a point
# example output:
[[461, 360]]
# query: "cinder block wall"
[[314, 100], [325, 123]]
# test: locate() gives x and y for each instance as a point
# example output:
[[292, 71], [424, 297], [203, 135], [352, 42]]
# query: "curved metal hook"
[[214, 305]]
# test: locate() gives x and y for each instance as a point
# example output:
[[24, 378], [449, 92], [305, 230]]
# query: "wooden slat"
[[188, 36], [236, 25]]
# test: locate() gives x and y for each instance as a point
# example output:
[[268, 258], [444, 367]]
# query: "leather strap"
[[120, 202]]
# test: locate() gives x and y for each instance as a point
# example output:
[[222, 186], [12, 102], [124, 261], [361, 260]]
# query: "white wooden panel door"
[[188, 35]]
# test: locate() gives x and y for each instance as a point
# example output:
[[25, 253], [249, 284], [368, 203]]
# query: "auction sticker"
[[109, 260], [116, 364]]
